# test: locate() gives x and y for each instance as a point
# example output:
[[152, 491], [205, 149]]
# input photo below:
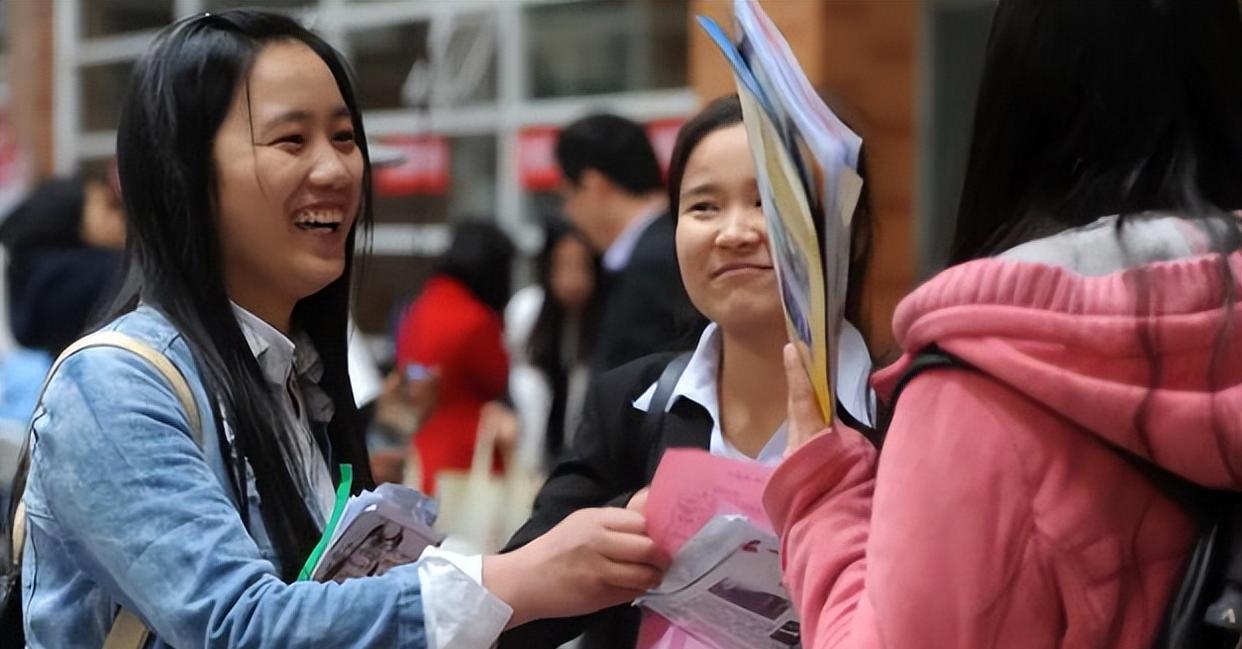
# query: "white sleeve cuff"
[[458, 611]]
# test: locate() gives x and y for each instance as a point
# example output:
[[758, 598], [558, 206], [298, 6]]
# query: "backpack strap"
[[127, 632], [930, 358], [654, 417]]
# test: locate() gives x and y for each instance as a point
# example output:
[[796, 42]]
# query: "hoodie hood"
[[1128, 336]]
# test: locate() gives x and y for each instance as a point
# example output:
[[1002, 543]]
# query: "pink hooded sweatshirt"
[[997, 515]]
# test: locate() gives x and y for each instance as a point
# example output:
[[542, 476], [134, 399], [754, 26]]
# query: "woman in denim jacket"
[[244, 169]]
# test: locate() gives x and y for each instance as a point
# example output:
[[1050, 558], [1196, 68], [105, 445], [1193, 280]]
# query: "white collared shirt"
[[459, 612], [278, 357], [617, 256], [699, 384]]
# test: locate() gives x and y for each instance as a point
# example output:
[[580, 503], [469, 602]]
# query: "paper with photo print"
[[806, 161], [819, 141], [723, 589], [795, 248]]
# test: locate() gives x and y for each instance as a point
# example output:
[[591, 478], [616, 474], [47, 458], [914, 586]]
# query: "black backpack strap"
[[1189, 607], [931, 358], [654, 417]]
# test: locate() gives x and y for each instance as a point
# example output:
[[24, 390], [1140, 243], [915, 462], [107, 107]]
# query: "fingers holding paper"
[[638, 502], [594, 559], [806, 420]]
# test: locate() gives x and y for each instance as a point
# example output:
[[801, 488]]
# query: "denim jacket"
[[125, 509]]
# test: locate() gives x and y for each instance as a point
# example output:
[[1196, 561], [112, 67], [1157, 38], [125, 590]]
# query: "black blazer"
[[609, 461], [646, 309]]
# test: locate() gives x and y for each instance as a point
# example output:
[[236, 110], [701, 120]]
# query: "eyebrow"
[[702, 188], [299, 115]]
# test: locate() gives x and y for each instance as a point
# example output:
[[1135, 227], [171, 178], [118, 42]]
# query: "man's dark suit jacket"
[[646, 309], [605, 468]]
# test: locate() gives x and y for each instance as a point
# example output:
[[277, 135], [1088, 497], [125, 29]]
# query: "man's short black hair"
[[614, 146]]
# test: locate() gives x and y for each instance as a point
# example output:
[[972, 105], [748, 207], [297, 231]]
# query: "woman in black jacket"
[[728, 396]]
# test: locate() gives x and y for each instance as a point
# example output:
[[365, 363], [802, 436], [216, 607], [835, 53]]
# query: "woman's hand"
[[805, 418], [638, 502], [500, 422], [594, 559]]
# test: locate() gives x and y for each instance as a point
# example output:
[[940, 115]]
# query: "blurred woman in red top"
[[454, 330]]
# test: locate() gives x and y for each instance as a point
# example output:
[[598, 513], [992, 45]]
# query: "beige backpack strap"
[[128, 632], [171, 374], [18, 535]]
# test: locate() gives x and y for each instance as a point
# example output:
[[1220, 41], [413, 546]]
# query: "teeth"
[[320, 217]]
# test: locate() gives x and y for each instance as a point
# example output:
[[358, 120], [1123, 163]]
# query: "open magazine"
[[370, 533], [806, 160], [723, 587]]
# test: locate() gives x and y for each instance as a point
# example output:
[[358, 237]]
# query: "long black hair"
[[1092, 109], [544, 347], [727, 111], [1089, 109], [179, 94]]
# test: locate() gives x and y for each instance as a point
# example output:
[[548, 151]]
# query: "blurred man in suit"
[[614, 194]]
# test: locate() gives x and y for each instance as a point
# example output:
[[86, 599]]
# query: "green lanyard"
[[342, 497]]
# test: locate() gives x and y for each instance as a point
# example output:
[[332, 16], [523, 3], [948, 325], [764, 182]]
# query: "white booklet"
[[724, 588], [806, 161], [375, 531]]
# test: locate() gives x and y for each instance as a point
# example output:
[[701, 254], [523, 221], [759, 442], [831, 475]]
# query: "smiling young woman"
[[289, 182], [730, 398], [244, 166]]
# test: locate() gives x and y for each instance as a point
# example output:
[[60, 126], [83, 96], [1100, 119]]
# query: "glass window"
[[419, 64], [382, 58], [4, 32], [271, 5], [542, 207], [471, 187], [958, 36], [110, 17], [103, 86], [603, 46]]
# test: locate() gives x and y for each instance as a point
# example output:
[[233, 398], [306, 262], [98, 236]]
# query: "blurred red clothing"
[[448, 328]]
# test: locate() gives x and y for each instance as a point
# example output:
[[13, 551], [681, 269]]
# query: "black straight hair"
[[179, 94], [1089, 109], [614, 146], [726, 111], [1117, 107], [481, 257], [544, 348]]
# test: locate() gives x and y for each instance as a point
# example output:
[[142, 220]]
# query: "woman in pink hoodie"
[[1095, 303]]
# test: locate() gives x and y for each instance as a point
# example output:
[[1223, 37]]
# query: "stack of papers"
[[806, 160], [723, 588], [375, 531]]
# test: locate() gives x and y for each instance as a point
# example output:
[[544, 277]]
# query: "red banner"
[[663, 135], [424, 168], [538, 170]]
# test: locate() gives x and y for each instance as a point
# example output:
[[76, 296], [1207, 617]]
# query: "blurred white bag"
[[480, 510]]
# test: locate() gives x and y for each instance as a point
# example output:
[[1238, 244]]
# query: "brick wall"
[[29, 73]]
